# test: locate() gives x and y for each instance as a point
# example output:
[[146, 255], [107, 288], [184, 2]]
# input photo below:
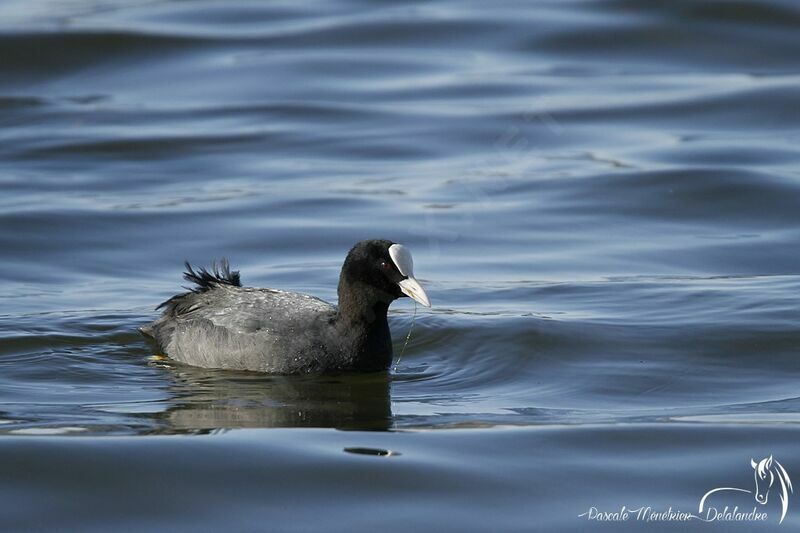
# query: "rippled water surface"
[[602, 198]]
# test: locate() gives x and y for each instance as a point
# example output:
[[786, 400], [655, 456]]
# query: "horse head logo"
[[764, 478], [766, 472]]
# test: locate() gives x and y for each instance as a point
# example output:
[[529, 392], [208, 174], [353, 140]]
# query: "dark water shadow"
[[206, 400]]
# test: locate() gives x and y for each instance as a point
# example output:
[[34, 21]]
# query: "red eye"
[[384, 264]]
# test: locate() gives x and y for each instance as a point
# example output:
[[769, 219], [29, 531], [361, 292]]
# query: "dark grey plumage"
[[220, 324]]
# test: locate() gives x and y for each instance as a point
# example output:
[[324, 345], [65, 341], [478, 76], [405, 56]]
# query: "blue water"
[[601, 197]]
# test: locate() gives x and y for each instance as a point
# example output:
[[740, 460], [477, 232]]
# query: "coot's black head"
[[380, 270]]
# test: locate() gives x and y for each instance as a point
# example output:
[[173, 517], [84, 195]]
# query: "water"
[[602, 198]]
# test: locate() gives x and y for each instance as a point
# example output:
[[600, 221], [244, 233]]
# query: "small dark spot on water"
[[87, 99], [372, 451]]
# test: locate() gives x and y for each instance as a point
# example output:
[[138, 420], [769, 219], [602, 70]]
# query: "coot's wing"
[[247, 310], [236, 327]]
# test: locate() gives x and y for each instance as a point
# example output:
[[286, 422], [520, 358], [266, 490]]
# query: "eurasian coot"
[[220, 324]]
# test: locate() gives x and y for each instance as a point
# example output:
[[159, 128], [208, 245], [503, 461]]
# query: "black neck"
[[361, 317]]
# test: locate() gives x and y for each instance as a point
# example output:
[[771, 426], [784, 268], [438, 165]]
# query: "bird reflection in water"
[[204, 401]]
